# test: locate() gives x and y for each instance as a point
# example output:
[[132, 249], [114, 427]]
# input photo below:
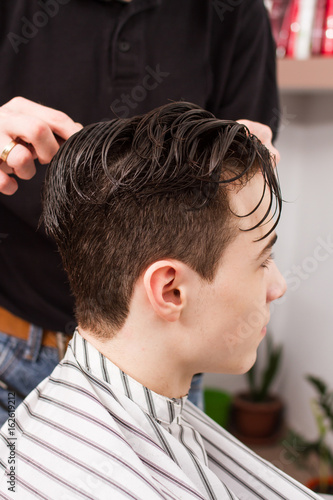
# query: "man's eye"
[[266, 263]]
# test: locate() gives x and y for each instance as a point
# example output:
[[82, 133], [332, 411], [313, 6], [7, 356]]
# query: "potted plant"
[[301, 449], [256, 416]]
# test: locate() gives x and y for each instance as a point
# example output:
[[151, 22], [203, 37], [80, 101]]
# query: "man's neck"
[[141, 357]]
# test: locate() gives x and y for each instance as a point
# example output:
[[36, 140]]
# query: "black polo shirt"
[[96, 60]]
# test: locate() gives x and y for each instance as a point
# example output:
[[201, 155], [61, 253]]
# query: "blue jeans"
[[23, 365]]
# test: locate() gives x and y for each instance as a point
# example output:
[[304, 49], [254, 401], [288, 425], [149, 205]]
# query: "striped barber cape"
[[89, 431]]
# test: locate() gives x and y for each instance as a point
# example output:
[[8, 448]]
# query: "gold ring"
[[7, 150]]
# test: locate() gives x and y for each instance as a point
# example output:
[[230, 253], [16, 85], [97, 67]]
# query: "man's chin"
[[243, 367], [249, 363]]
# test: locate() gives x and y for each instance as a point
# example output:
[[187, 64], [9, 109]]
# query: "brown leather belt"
[[18, 327]]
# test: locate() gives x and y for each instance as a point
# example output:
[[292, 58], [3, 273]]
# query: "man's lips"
[[264, 328]]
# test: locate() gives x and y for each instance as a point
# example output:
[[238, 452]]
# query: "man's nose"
[[277, 284]]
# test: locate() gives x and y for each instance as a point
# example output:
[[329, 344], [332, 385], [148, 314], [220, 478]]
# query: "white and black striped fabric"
[[89, 431]]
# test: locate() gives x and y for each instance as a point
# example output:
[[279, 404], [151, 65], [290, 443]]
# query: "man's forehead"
[[244, 201], [250, 206], [245, 249]]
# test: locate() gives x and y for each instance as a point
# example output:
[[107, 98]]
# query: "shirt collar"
[[161, 408]]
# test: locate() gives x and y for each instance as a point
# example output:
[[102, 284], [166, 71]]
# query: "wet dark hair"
[[123, 194]]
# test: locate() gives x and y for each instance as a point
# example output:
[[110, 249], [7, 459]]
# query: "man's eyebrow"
[[269, 245]]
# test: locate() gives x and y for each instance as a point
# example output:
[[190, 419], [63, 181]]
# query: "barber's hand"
[[33, 126], [264, 134]]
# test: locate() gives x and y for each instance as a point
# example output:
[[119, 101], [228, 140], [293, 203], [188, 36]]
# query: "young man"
[[165, 227], [120, 60]]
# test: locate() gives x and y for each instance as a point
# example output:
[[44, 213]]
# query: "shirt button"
[[124, 46]]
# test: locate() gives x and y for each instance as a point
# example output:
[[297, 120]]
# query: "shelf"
[[314, 74]]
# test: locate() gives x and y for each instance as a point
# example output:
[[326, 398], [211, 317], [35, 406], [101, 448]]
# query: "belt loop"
[[34, 343]]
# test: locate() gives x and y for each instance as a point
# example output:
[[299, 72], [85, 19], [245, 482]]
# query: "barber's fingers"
[[264, 134], [60, 123], [38, 130], [262, 131], [8, 185], [20, 160], [31, 130], [4, 168]]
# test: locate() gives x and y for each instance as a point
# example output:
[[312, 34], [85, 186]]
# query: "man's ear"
[[163, 284]]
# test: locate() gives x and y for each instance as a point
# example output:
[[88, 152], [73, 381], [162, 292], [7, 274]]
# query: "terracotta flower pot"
[[254, 422], [314, 485]]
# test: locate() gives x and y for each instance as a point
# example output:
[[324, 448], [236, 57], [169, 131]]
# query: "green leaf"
[[317, 383], [271, 370], [325, 398], [251, 376]]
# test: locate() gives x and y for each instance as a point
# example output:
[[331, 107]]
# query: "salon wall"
[[303, 320]]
